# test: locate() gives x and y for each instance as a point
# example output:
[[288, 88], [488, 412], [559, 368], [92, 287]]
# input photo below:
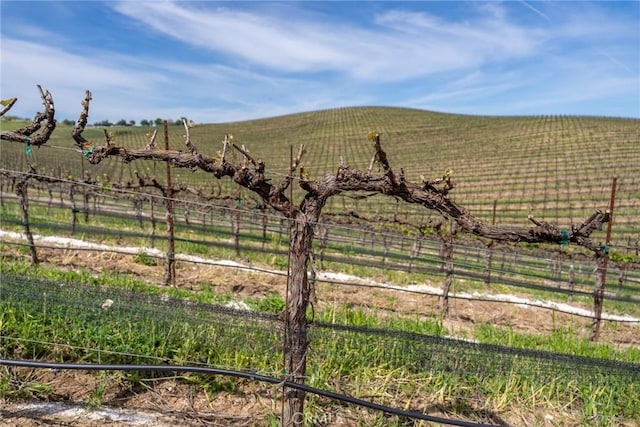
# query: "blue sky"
[[229, 61]]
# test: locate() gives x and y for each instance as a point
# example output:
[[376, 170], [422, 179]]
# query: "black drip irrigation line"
[[246, 375]]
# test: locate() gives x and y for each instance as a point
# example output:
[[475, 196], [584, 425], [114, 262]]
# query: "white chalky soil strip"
[[68, 243]]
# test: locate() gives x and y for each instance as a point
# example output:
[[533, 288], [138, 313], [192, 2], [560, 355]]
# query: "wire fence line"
[[199, 201], [76, 321], [130, 205], [369, 285], [504, 276], [206, 227]]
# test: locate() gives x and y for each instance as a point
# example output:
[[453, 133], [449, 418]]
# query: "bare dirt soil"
[[168, 403], [172, 402]]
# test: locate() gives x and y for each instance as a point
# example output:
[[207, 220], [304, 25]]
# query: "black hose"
[[241, 374]]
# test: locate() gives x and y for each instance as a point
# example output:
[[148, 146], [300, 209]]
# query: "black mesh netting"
[[93, 323]]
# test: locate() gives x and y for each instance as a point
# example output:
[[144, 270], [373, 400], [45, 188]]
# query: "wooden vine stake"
[[170, 270], [447, 258], [489, 255], [74, 208], [601, 274], [21, 191]]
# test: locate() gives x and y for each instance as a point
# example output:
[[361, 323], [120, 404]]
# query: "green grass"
[[561, 340], [386, 368]]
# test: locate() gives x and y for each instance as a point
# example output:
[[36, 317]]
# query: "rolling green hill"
[[557, 168]]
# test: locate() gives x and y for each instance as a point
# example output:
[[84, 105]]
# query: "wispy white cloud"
[[536, 10], [68, 75], [30, 59], [491, 34], [128, 86], [277, 42], [397, 45], [470, 88]]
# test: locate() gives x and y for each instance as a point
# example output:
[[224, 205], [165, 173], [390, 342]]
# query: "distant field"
[[557, 168]]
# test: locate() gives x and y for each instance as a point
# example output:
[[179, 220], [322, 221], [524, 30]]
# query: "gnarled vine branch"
[[433, 198], [26, 135], [252, 179], [348, 179]]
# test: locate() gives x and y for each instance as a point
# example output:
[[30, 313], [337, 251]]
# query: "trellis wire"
[[398, 259]]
